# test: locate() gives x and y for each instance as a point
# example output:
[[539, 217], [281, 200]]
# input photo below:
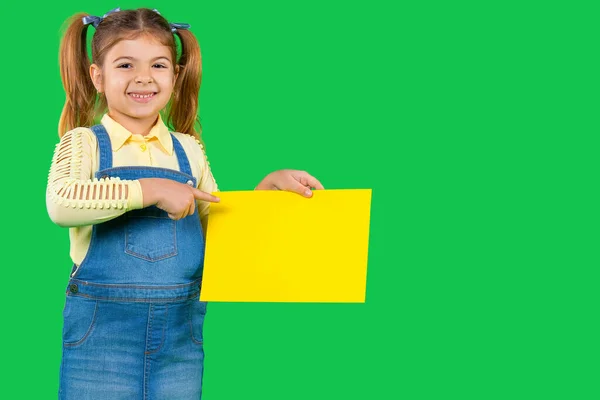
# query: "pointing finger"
[[200, 195]]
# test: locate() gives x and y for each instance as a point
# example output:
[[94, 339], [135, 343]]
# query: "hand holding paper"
[[291, 180]]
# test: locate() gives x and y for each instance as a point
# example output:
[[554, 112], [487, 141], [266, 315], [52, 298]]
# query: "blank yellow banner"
[[277, 246]]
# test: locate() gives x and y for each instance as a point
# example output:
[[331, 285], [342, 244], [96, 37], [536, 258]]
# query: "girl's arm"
[[206, 183], [73, 196], [290, 180]]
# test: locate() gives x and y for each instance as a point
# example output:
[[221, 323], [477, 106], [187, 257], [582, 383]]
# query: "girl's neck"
[[140, 126]]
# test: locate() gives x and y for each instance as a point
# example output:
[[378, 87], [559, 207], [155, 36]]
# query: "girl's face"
[[137, 79]]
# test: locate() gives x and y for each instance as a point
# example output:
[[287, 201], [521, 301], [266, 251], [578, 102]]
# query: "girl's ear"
[[177, 69], [96, 75]]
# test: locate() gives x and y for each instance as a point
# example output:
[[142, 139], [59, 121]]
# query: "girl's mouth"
[[141, 97]]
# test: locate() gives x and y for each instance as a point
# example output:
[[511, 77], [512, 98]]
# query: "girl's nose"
[[143, 79]]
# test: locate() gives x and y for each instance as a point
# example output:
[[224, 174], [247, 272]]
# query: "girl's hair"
[[82, 103]]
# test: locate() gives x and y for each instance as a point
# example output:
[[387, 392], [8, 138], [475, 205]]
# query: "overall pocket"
[[150, 234], [79, 316], [197, 314]]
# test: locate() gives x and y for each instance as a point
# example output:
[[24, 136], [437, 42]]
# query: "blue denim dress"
[[132, 318]]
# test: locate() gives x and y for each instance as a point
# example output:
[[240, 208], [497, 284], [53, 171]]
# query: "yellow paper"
[[277, 246]]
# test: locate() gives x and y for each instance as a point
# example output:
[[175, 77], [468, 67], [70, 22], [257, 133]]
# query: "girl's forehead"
[[142, 48]]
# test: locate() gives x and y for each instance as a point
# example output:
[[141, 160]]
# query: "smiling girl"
[[129, 189]]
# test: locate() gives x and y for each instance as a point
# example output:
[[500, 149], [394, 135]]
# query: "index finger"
[[307, 179], [200, 195], [313, 182]]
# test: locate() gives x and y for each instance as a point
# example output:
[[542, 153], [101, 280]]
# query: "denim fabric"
[[132, 319]]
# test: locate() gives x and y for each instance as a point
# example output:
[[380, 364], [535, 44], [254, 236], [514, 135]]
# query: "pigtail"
[[183, 111], [74, 72]]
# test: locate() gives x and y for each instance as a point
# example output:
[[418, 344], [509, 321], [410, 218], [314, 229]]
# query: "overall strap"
[[104, 145], [184, 164]]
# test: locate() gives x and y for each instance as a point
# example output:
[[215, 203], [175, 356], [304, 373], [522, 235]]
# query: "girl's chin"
[[144, 112], [139, 111], [136, 114]]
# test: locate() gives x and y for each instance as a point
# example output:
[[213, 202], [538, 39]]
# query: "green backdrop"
[[475, 124]]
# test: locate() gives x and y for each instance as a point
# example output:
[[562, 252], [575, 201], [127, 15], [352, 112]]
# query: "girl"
[[128, 188]]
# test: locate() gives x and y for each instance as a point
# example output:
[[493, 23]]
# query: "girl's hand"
[[291, 180], [177, 199]]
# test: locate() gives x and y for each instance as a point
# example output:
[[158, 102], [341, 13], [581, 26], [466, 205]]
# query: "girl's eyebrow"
[[135, 59]]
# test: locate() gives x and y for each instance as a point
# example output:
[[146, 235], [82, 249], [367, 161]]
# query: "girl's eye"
[[128, 65]]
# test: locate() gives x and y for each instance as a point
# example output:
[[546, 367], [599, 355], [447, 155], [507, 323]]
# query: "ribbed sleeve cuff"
[[136, 197]]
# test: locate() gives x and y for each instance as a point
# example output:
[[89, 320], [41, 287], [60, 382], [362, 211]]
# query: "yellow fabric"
[[75, 199], [120, 135]]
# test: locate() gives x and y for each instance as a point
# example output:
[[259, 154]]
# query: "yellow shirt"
[[76, 199]]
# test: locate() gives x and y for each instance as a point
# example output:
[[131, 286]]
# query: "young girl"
[[128, 188]]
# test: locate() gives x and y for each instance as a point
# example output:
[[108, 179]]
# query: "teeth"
[[142, 96]]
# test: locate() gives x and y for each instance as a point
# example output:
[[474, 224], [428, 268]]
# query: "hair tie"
[[175, 25], [95, 21]]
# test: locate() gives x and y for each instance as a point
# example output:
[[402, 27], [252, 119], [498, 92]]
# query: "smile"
[[142, 97]]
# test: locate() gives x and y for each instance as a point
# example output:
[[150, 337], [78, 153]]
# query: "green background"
[[475, 124]]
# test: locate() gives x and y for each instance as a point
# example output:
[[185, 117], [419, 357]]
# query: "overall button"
[[73, 288], [190, 183]]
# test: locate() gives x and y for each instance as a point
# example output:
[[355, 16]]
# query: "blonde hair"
[[83, 104]]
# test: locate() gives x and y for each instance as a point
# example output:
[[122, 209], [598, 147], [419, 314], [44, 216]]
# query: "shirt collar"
[[119, 135]]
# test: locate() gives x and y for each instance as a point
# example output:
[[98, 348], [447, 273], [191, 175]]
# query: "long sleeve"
[[206, 182], [73, 196]]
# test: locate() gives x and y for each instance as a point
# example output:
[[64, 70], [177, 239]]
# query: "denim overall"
[[132, 318]]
